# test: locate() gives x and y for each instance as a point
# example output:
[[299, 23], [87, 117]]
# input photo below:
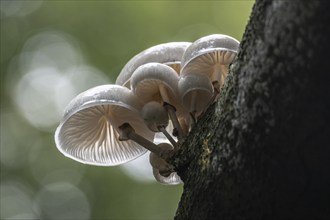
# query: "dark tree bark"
[[263, 150]]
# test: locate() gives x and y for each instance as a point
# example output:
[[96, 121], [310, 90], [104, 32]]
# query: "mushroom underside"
[[90, 135], [150, 91], [172, 179], [207, 63]]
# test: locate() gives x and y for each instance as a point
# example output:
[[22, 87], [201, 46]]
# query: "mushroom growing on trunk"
[[156, 118], [210, 56], [155, 82], [195, 91], [167, 53], [90, 129], [163, 172]]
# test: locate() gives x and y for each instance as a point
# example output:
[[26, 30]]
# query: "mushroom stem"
[[216, 92], [168, 136], [217, 74], [164, 168], [193, 118], [216, 86], [193, 104], [126, 132], [171, 112], [185, 126], [163, 93]]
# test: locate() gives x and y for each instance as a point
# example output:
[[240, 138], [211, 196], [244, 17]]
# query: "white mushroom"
[[195, 91], [89, 129], [167, 53], [158, 82], [156, 118], [163, 172], [210, 56]]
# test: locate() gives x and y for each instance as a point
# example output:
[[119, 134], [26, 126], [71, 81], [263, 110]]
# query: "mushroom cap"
[[148, 78], [155, 116], [203, 54], [172, 179], [175, 65], [167, 53], [88, 130], [195, 88]]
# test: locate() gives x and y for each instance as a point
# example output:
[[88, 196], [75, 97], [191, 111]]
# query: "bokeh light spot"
[[35, 94], [62, 200], [19, 8], [47, 74], [15, 202]]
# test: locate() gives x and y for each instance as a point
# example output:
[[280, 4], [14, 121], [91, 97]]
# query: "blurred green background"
[[53, 50]]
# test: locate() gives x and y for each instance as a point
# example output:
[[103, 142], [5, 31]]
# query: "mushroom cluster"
[[158, 96]]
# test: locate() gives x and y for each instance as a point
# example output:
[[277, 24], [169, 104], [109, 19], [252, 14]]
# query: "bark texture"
[[263, 150]]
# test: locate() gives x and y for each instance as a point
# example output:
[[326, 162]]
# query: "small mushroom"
[[163, 172], [172, 179], [210, 56], [89, 130], [167, 53], [158, 82], [156, 118], [195, 91]]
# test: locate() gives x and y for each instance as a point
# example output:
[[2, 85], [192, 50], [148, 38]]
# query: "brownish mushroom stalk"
[[127, 132]]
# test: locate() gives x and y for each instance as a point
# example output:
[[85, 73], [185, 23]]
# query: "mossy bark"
[[263, 150]]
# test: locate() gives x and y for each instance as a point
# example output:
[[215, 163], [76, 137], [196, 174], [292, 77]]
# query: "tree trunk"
[[262, 151]]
